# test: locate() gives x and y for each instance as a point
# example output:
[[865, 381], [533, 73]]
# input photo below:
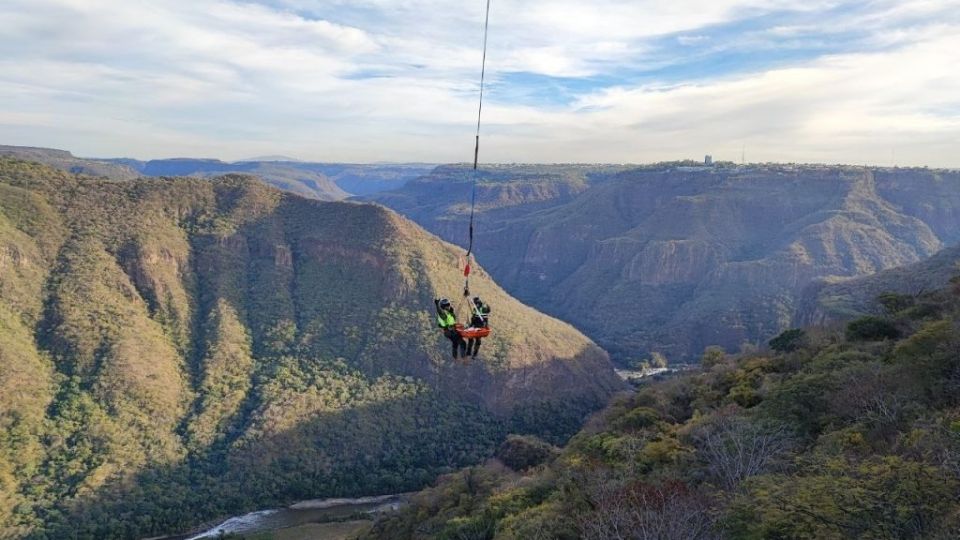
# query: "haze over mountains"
[[173, 350], [323, 181]]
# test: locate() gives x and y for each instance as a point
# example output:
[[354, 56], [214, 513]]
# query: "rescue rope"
[[476, 153]]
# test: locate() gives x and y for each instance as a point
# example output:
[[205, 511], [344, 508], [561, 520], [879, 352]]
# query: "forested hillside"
[[674, 258], [180, 349], [850, 431]]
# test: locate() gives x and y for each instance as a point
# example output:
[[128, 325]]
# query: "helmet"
[[444, 303], [476, 300]]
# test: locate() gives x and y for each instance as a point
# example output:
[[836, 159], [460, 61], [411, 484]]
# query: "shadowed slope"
[[832, 301]]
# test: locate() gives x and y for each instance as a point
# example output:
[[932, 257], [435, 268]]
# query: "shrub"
[[744, 395], [523, 452], [639, 418], [878, 497], [712, 356], [922, 310], [871, 329], [788, 341], [894, 303]]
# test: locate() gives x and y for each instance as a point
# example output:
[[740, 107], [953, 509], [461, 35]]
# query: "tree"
[[658, 360], [735, 448], [789, 340], [712, 356], [872, 329], [894, 303], [644, 511], [521, 453]]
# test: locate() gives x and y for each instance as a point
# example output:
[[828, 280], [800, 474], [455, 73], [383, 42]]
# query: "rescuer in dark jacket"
[[447, 321], [480, 318]]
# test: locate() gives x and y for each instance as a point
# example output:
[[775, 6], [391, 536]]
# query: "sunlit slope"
[[250, 344]]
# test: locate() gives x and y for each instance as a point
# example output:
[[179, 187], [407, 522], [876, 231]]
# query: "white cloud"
[[377, 79], [846, 108], [692, 39]]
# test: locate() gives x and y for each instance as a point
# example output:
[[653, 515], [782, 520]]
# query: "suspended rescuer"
[[480, 318], [447, 321]]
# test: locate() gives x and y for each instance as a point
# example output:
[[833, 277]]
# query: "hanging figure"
[[480, 318], [447, 321]]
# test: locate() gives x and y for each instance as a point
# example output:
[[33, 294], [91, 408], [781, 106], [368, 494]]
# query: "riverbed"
[[321, 519]]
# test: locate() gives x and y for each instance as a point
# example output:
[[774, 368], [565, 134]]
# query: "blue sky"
[[377, 80]]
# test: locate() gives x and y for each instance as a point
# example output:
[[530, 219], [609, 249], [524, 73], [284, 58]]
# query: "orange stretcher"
[[472, 333]]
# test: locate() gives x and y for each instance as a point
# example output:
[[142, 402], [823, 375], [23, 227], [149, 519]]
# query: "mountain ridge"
[[323, 181], [250, 345], [830, 301]]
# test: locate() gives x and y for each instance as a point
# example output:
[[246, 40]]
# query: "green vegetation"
[[327, 531], [828, 437], [521, 453], [788, 341], [177, 350], [872, 329]]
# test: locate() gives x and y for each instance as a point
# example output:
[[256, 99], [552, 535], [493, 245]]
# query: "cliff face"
[[676, 259], [836, 300], [248, 344]]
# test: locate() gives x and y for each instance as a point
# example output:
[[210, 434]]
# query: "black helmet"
[[476, 300], [444, 303]]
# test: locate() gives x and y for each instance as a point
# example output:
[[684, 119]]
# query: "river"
[[301, 514]]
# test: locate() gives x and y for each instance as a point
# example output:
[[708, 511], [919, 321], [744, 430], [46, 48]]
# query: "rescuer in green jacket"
[[447, 321]]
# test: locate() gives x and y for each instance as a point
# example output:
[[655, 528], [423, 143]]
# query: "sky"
[[616, 81]]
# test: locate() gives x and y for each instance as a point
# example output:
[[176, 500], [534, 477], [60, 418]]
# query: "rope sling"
[[475, 332]]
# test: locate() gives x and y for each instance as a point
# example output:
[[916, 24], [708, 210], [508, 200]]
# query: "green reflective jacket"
[[446, 320]]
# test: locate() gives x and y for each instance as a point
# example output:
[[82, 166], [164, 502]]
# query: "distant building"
[[708, 161]]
